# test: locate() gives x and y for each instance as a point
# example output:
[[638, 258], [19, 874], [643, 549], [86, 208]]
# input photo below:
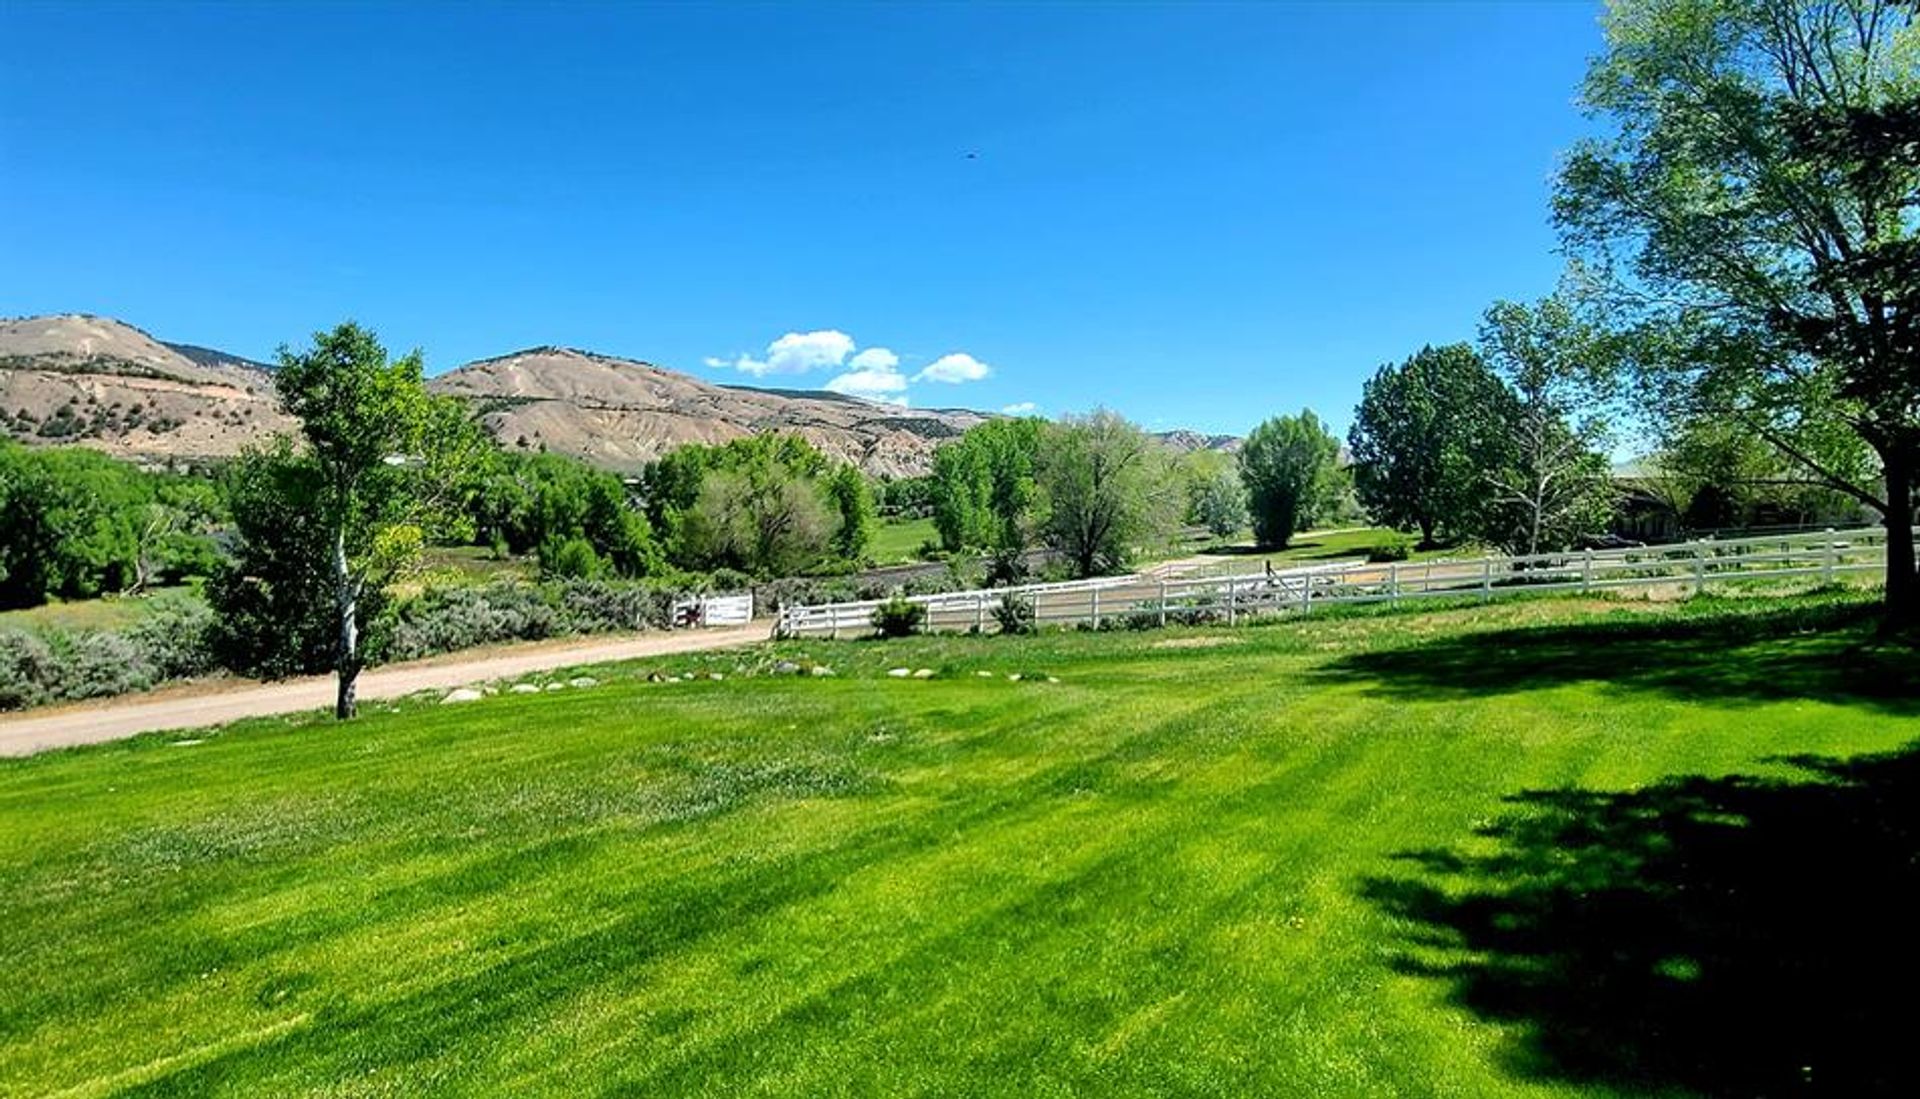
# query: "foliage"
[[1423, 438], [1108, 488], [768, 505], [904, 497], [1393, 549], [53, 665], [75, 524], [1216, 499], [1014, 614], [852, 503], [570, 558], [1290, 467], [984, 490], [1749, 218], [1555, 483], [898, 617], [384, 466], [540, 502], [273, 597]]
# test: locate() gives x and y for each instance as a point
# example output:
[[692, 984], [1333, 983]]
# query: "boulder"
[[819, 670], [923, 673], [462, 694], [899, 673], [525, 689], [786, 667], [583, 681]]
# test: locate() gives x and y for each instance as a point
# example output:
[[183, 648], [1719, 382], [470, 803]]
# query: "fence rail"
[[1143, 600]]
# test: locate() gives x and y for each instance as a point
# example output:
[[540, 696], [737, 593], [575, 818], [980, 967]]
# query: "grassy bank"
[[1542, 848]]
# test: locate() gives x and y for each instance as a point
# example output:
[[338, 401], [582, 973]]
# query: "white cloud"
[[875, 358], [1024, 408], [715, 363], [889, 386], [799, 352], [953, 369], [875, 375]]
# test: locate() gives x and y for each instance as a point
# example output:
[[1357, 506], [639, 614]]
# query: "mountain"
[[1182, 441], [619, 413], [99, 382], [75, 378]]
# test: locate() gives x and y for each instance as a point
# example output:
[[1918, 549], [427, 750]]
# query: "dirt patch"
[[1208, 642]]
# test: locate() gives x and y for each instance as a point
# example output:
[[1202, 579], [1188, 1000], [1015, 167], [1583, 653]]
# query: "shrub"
[[898, 617], [28, 671], [98, 665], [176, 640], [1395, 549], [604, 606], [571, 558], [1014, 613], [448, 619]]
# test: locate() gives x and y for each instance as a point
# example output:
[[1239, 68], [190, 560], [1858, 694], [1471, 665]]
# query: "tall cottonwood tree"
[[1290, 467], [386, 464], [1555, 483], [1755, 215], [1108, 488], [1424, 436]]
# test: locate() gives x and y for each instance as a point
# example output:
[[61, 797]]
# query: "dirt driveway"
[[196, 705]]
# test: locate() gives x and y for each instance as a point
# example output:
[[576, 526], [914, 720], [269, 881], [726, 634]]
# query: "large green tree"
[[985, 491], [385, 465], [1555, 483], [1753, 211], [1290, 466], [1109, 488], [1425, 435]]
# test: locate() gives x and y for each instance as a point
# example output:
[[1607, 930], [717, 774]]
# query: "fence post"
[[1486, 579], [1393, 584], [1163, 602], [1826, 565], [980, 613], [1233, 600], [1095, 601], [1699, 569], [1586, 573]]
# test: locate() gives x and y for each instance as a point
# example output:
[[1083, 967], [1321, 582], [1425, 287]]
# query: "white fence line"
[[1149, 600]]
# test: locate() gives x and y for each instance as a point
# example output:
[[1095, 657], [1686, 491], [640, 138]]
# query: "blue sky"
[[1199, 215]]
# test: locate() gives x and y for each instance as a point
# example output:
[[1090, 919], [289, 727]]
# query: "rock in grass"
[[462, 694], [554, 687], [923, 673], [1014, 676], [583, 681], [715, 676], [899, 673], [786, 667], [820, 669], [984, 674], [1053, 679], [524, 689]]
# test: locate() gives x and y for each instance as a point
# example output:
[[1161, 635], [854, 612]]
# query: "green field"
[[111, 612], [1315, 546], [1539, 848], [897, 541]]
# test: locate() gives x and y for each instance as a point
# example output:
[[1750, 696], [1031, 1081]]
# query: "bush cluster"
[[450, 619], [59, 665]]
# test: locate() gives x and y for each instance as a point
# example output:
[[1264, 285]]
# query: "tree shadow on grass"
[[1737, 936], [1816, 650]]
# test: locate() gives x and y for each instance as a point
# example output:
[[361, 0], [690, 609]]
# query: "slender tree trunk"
[[1903, 589], [347, 603], [1426, 533]]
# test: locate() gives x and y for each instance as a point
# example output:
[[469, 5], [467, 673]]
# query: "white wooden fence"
[[1823, 556]]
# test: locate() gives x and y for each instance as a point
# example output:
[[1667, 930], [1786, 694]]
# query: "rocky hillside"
[[619, 413], [97, 382], [101, 383]]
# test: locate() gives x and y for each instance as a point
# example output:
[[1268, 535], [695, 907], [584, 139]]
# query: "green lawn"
[[1538, 848], [1315, 546], [897, 541], [108, 613]]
